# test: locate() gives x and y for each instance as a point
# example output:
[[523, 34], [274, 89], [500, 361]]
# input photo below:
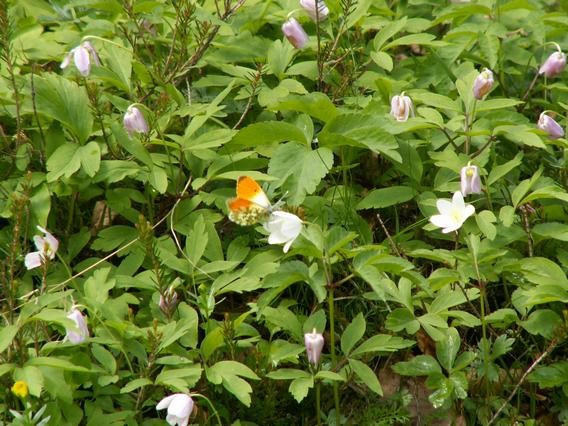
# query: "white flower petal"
[[468, 211], [457, 201], [33, 260], [452, 228], [165, 402], [181, 406], [445, 207], [82, 60], [442, 221]]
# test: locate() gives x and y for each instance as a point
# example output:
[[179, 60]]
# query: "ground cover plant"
[[283, 212]]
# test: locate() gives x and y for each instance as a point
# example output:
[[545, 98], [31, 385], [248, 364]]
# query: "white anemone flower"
[[453, 213], [180, 406], [283, 227], [314, 345], [47, 247]]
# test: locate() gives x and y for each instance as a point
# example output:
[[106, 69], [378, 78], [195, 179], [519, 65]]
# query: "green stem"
[[318, 403], [331, 307]]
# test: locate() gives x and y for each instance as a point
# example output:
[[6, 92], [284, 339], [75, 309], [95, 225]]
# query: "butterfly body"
[[251, 205]]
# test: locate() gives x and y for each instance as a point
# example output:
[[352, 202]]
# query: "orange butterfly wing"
[[250, 203]]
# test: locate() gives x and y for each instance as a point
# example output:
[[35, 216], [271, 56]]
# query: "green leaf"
[[366, 375], [501, 170], [386, 197], [383, 60], [287, 374], [63, 100], [544, 322], [555, 230], [329, 375], [229, 373], [59, 363], [279, 56], [63, 162], [421, 365], [435, 100], [118, 61], [422, 38], [135, 384], [359, 130], [381, 343], [268, 132], [299, 388], [402, 319], [353, 333], [300, 169], [7, 334], [447, 349], [315, 104], [485, 220], [90, 157], [500, 104], [388, 31], [551, 375]]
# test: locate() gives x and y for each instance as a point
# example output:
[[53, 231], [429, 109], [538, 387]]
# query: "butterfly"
[[251, 204]]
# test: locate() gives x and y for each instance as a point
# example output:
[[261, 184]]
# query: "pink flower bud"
[[470, 180], [82, 331], [401, 107], [550, 126], [314, 345], [295, 33], [82, 56], [310, 7], [553, 65], [134, 121], [483, 83]]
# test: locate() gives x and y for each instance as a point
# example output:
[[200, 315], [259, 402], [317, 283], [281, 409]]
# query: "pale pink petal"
[[33, 260], [164, 403]]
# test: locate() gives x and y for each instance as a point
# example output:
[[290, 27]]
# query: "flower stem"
[[331, 308], [318, 403]]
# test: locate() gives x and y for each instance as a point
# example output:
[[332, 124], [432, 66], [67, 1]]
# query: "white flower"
[[134, 121], [401, 107], [82, 331], [314, 345], [470, 180], [453, 213], [47, 247], [310, 7], [554, 64], [283, 227], [180, 406], [82, 58]]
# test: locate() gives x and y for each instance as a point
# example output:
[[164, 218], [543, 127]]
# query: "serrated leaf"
[[268, 132], [63, 100], [359, 130], [315, 104], [299, 388], [300, 169]]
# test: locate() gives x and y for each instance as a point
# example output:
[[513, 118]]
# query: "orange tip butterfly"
[[251, 204]]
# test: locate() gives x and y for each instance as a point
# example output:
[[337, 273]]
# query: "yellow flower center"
[[20, 389]]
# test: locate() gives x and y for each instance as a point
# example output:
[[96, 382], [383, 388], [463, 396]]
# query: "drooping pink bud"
[[134, 121], [82, 56], [295, 33], [310, 7], [553, 65], [550, 126], [314, 345], [168, 300], [82, 331], [401, 107], [470, 180], [483, 84]]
